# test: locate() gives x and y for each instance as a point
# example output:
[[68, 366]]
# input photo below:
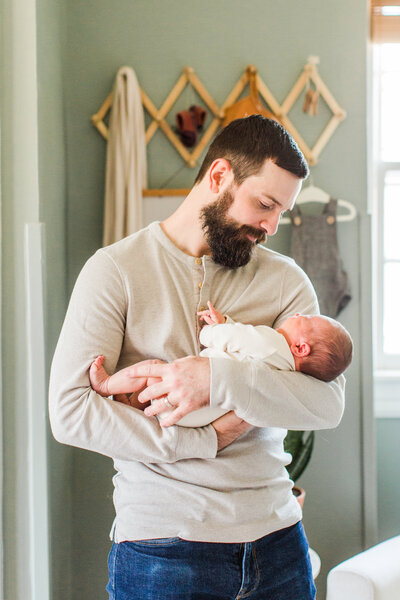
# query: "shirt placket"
[[201, 292]]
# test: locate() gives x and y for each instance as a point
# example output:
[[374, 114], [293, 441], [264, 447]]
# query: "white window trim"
[[387, 394]]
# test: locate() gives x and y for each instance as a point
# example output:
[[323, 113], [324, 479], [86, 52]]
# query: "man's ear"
[[220, 173], [300, 349]]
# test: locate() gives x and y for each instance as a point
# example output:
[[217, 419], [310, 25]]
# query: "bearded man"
[[200, 512]]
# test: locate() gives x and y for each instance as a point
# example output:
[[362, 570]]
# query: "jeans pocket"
[[157, 541]]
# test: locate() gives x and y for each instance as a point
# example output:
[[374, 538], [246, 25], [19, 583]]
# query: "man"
[[206, 512]]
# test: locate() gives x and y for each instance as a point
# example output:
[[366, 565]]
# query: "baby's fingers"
[[211, 307], [209, 320], [216, 315]]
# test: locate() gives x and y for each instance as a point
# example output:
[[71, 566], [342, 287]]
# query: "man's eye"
[[266, 206]]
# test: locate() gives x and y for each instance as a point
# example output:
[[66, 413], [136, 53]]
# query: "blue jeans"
[[275, 567]]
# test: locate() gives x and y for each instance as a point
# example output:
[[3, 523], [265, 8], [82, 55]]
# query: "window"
[[386, 224], [387, 205]]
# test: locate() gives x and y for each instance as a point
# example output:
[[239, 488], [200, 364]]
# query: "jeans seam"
[[247, 594], [257, 581], [256, 568], [114, 572]]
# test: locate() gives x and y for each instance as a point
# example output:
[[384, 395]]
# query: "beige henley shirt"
[[138, 299]]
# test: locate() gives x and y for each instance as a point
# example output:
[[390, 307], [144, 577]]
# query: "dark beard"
[[226, 239]]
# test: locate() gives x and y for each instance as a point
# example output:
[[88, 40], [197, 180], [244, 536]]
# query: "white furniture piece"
[[315, 563], [370, 575]]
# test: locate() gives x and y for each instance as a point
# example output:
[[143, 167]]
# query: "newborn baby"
[[315, 345]]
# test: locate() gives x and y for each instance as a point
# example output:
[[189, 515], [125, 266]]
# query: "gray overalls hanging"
[[314, 247]]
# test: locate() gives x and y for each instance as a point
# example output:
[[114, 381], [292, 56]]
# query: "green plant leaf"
[[300, 445]]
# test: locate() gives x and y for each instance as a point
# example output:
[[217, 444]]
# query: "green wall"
[[388, 452], [219, 39], [80, 46]]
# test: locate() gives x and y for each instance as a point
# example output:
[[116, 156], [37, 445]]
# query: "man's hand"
[[186, 381], [229, 427], [138, 385], [184, 385]]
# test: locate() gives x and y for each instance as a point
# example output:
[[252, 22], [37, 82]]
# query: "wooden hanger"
[[312, 193], [250, 105]]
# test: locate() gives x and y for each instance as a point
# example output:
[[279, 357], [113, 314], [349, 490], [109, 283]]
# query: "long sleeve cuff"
[[198, 442]]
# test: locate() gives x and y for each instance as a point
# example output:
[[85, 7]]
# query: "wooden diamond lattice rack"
[[310, 73], [281, 112]]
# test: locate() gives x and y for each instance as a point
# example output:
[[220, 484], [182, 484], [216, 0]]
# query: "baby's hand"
[[212, 316]]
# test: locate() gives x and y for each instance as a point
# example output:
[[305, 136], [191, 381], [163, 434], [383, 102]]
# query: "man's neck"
[[184, 227]]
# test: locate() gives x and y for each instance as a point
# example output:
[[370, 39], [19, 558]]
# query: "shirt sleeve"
[[78, 415], [266, 397]]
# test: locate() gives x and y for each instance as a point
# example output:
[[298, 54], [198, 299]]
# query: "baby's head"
[[321, 346]]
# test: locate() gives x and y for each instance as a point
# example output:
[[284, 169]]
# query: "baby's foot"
[[99, 377]]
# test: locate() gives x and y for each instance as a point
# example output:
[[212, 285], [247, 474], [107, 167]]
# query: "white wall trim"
[[387, 409], [37, 412]]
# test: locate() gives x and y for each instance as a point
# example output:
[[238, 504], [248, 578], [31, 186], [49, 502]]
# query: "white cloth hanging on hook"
[[311, 193], [126, 171]]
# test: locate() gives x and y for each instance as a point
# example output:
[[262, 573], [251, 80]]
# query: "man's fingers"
[[159, 407], [154, 391], [155, 408], [174, 416], [147, 370]]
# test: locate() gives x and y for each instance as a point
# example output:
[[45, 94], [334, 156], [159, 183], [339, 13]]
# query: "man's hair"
[[331, 352], [247, 143]]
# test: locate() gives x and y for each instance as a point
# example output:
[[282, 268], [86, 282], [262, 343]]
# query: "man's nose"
[[270, 225]]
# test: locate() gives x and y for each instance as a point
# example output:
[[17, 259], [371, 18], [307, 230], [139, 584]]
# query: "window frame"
[[386, 367]]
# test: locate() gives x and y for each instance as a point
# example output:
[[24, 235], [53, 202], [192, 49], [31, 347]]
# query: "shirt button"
[[198, 261], [200, 285]]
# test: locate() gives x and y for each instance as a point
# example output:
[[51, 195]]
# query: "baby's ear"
[[300, 349]]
